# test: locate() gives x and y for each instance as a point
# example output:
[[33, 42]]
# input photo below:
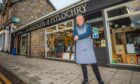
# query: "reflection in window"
[[131, 7], [51, 29], [61, 26], [117, 12], [69, 24]]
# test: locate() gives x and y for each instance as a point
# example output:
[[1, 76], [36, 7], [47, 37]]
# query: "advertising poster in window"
[[95, 33], [130, 48], [120, 49]]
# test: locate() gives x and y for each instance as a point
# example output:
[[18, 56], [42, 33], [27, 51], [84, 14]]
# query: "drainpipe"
[[6, 44]]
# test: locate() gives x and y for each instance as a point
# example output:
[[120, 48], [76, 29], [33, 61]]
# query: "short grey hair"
[[79, 15]]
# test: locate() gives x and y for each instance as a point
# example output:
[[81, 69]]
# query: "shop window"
[[99, 38], [61, 26], [125, 9], [117, 12], [66, 25], [60, 44], [123, 33], [69, 24], [125, 41]]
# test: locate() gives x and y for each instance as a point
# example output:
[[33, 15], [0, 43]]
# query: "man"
[[84, 48]]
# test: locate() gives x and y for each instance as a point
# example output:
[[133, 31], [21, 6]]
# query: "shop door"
[[18, 44], [99, 38], [23, 45]]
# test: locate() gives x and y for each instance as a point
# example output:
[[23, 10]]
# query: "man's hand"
[[76, 38]]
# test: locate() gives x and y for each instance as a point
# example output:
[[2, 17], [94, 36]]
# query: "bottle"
[[131, 60]]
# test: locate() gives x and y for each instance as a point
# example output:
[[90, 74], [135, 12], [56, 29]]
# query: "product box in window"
[[132, 59], [119, 58], [72, 56], [120, 49], [115, 58], [66, 56]]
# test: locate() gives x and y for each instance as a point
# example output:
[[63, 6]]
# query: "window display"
[[60, 43], [125, 43], [123, 32]]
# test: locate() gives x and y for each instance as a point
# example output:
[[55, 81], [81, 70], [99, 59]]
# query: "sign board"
[[16, 20]]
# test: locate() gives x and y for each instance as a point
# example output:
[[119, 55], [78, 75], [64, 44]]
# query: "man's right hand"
[[76, 38]]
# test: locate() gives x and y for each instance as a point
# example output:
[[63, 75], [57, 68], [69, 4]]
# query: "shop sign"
[[80, 9], [21, 32], [67, 14], [95, 33], [15, 19], [36, 26]]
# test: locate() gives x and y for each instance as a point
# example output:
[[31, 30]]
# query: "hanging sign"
[[16, 20]]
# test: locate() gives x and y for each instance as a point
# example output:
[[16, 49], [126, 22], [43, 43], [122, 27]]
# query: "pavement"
[[43, 71], [6, 77]]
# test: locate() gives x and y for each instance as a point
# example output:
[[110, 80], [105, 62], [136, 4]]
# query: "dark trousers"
[[94, 68]]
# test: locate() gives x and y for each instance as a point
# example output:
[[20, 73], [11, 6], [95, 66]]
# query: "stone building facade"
[[37, 43], [26, 11], [29, 10]]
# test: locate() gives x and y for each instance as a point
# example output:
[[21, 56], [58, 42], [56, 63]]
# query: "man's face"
[[80, 20]]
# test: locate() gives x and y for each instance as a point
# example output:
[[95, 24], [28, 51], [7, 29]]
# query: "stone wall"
[[37, 43], [29, 10]]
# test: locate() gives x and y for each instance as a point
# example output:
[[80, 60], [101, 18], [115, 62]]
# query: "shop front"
[[52, 34], [59, 43], [123, 33]]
